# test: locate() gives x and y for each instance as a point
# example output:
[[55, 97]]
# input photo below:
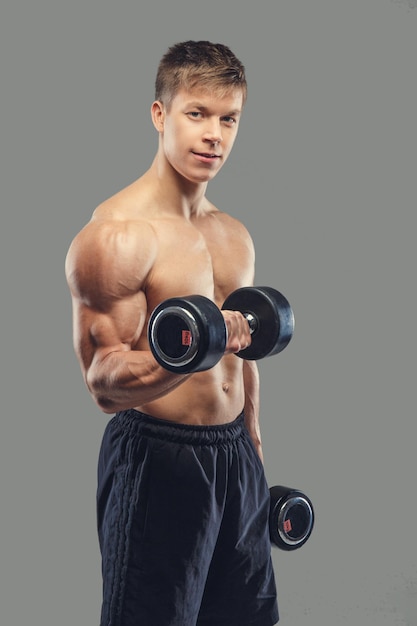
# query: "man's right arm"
[[106, 268]]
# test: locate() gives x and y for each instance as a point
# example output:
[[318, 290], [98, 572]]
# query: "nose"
[[213, 133]]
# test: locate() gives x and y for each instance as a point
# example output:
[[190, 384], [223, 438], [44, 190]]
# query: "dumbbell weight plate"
[[291, 518], [274, 319], [187, 334]]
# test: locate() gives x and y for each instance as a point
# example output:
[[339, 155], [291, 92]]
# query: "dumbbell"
[[189, 334], [291, 517]]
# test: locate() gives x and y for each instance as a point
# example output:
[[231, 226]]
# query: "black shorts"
[[183, 525]]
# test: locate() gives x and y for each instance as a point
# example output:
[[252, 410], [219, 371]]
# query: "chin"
[[203, 179], [195, 175], [203, 176]]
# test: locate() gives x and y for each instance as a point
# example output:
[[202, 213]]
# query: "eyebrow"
[[202, 107]]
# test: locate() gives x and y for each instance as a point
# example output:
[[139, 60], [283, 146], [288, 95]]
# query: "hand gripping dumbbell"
[[189, 334], [291, 517]]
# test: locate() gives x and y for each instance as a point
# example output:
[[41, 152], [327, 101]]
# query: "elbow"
[[107, 405], [100, 393]]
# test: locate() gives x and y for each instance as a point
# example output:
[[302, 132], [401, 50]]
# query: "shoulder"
[[232, 223], [110, 256], [234, 230], [104, 236], [226, 220]]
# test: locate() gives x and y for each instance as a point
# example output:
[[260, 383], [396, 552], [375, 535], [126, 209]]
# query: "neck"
[[180, 196]]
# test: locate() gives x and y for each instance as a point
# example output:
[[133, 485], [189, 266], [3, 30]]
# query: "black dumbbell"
[[270, 318], [291, 517], [189, 334]]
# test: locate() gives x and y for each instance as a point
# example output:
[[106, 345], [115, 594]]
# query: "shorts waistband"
[[143, 424]]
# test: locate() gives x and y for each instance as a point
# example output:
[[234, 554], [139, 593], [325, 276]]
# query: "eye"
[[195, 115], [229, 120]]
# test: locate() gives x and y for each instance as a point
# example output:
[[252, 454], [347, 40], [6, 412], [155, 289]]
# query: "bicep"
[[100, 332], [106, 269]]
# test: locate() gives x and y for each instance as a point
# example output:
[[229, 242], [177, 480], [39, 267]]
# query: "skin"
[[160, 237]]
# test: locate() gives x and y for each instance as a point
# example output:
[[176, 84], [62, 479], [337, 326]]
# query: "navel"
[[225, 387]]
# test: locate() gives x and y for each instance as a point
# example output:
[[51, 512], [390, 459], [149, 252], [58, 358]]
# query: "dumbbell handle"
[[252, 321]]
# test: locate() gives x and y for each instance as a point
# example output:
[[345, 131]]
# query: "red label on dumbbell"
[[186, 338], [287, 526]]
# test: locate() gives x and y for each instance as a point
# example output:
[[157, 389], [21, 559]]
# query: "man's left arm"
[[251, 408]]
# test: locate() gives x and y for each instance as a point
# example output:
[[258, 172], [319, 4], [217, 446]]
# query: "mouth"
[[206, 155]]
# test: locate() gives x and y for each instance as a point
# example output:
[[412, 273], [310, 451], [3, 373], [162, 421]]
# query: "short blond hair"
[[199, 64]]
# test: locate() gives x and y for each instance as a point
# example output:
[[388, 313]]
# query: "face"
[[198, 131]]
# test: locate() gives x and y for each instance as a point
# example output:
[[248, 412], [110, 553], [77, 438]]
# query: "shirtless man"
[[182, 496]]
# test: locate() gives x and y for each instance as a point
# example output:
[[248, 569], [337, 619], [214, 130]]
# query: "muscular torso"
[[203, 257], [209, 254]]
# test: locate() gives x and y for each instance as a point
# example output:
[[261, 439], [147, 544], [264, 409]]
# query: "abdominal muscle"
[[213, 397]]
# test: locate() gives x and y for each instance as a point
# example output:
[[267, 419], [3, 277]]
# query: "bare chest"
[[193, 261]]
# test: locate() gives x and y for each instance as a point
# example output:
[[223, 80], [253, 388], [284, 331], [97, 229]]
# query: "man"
[[182, 496]]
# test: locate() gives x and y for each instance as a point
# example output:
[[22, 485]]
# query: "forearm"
[[251, 407], [122, 380]]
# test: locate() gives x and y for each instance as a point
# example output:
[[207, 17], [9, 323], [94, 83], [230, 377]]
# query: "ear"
[[158, 115]]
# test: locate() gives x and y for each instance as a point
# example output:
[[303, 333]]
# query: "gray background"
[[324, 176]]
